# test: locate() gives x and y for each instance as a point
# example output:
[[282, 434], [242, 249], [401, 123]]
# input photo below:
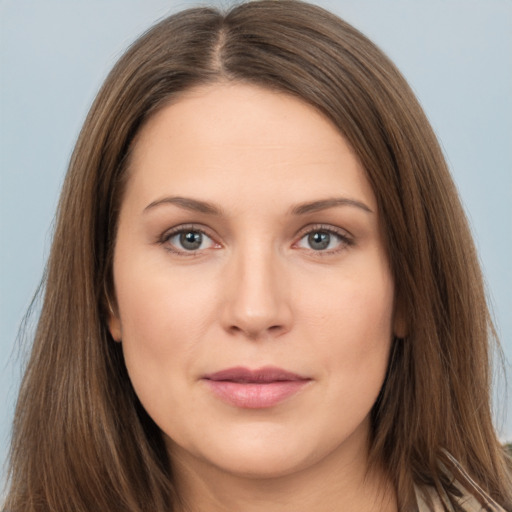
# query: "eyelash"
[[187, 228], [344, 239]]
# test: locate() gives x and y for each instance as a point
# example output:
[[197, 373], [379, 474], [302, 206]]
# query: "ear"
[[114, 323]]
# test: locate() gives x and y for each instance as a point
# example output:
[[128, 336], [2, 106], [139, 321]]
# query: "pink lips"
[[254, 389]]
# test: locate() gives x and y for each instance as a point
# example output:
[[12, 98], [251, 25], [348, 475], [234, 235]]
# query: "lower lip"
[[255, 395]]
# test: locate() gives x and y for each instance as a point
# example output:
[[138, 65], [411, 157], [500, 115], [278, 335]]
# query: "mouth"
[[255, 389]]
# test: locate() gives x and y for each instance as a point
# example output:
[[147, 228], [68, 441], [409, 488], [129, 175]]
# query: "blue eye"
[[323, 240], [319, 240], [189, 240]]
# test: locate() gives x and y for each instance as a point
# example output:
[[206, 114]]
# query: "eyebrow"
[[187, 203], [324, 204], [196, 205]]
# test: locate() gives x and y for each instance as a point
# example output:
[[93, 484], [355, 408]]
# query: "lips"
[[255, 389]]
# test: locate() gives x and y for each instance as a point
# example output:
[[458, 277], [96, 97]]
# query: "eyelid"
[[164, 238], [346, 239]]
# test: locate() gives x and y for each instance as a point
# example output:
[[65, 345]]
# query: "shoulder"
[[430, 499], [465, 494]]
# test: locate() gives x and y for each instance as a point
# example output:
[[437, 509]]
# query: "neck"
[[330, 484]]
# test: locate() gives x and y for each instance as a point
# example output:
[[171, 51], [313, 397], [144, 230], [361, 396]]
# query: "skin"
[[255, 293]]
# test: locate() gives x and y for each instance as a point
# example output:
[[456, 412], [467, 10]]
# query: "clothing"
[[472, 498]]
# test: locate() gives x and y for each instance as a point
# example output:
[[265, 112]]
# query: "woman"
[[262, 292]]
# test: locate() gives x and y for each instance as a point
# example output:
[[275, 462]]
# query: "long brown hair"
[[82, 442]]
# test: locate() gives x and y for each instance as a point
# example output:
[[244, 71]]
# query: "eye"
[[187, 240], [323, 240]]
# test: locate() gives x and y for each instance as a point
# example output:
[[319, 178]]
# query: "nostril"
[[253, 332], [258, 308]]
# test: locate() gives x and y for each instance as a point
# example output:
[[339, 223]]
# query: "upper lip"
[[259, 376]]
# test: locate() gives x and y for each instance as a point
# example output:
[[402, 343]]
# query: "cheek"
[[163, 318], [351, 305], [350, 324], [154, 298], [351, 333]]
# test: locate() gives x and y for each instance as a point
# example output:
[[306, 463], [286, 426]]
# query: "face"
[[255, 304]]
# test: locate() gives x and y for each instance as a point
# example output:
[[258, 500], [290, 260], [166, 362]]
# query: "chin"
[[262, 464], [266, 451]]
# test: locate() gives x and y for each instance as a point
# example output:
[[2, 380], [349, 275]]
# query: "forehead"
[[225, 138]]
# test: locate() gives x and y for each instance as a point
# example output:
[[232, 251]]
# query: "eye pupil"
[[191, 240], [319, 240]]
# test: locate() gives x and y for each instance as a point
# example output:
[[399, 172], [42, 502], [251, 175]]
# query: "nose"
[[256, 292]]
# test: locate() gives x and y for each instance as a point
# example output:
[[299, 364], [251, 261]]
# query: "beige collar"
[[472, 498]]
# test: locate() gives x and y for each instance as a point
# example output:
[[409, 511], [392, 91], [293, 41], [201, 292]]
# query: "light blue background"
[[457, 55]]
